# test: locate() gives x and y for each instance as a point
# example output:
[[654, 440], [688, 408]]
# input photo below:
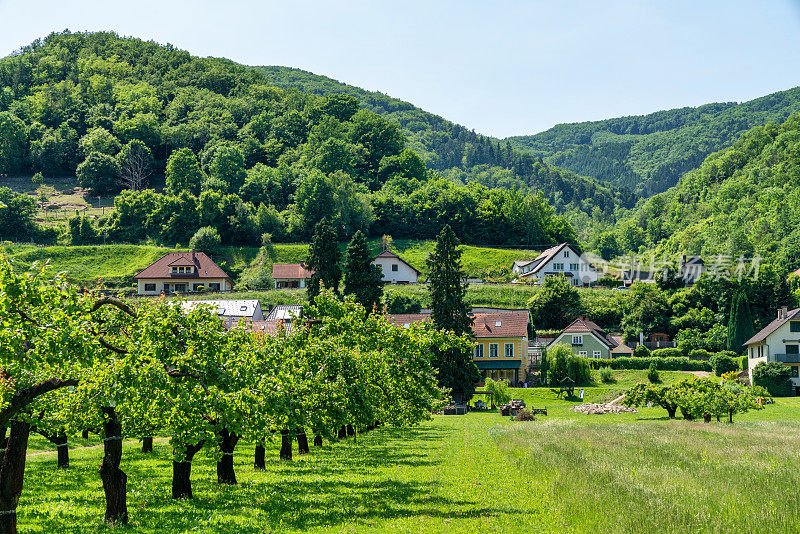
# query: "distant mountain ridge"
[[649, 153]]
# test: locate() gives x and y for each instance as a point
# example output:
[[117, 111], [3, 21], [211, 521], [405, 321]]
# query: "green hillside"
[[741, 201], [648, 153], [115, 265]]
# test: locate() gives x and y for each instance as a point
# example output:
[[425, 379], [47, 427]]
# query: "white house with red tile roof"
[[182, 272], [560, 260], [395, 269], [501, 342], [291, 275]]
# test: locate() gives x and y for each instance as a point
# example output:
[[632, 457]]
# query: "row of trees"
[[699, 397], [73, 361]]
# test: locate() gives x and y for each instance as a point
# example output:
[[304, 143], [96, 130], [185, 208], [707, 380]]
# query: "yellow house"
[[501, 342]]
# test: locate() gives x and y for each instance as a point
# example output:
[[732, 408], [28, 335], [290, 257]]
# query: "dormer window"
[[566, 253], [498, 323]]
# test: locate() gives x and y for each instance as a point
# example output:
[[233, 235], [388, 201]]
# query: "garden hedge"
[[662, 364]]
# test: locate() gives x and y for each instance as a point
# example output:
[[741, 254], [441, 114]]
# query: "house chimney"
[[193, 255], [783, 312]]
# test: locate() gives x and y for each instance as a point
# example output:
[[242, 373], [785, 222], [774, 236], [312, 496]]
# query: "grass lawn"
[[566, 472]]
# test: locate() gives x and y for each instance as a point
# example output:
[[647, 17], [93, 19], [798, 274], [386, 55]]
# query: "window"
[[794, 326], [577, 340], [509, 350], [566, 253], [795, 371], [582, 353], [494, 350], [558, 266], [574, 267], [166, 288], [792, 349], [479, 350], [149, 287], [179, 288], [174, 270], [595, 354], [394, 267]]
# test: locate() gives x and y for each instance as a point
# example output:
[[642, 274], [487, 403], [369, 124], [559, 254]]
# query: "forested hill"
[[240, 157], [741, 201], [648, 154], [463, 155]]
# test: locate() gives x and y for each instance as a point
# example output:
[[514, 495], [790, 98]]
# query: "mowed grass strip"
[[566, 472]]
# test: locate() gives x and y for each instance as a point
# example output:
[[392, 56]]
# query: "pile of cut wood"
[[590, 408]]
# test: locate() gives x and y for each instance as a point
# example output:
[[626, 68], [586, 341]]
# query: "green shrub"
[[699, 354], [652, 374], [667, 353], [501, 391], [399, 303], [641, 352], [606, 374], [723, 363], [743, 363], [206, 239], [562, 363], [774, 377]]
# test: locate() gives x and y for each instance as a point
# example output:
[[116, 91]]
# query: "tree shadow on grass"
[[338, 484]]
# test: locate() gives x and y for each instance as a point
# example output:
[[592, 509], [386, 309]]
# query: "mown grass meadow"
[[566, 472]]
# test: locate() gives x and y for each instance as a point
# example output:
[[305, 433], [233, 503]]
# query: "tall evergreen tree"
[[361, 277], [324, 259], [447, 288], [740, 324]]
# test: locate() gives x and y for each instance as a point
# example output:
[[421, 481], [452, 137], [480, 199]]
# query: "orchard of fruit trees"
[[73, 361]]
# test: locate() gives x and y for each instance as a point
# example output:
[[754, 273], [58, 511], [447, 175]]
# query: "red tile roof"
[[390, 254], [291, 271], [204, 267], [581, 326], [484, 325]]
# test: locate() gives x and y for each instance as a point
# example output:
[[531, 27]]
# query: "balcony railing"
[[787, 358]]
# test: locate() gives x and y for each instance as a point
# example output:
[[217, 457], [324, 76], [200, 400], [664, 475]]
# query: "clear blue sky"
[[500, 67]]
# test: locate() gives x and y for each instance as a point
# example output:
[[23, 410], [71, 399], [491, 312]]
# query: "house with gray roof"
[[560, 260], [230, 311], [779, 341]]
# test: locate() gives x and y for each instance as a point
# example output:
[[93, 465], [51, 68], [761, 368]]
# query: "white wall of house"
[[395, 271], [567, 262], [176, 285], [778, 343]]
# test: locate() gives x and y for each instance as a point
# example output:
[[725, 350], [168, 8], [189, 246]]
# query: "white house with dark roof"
[[779, 341], [560, 260], [395, 269]]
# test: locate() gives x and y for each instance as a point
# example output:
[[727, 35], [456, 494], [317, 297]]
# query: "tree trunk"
[[730, 416], [707, 417], [286, 445], [686, 415], [182, 472], [12, 472], [302, 443], [114, 479], [60, 441], [318, 441], [343, 432], [85, 433], [259, 460], [671, 411], [147, 444], [227, 442], [350, 430]]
